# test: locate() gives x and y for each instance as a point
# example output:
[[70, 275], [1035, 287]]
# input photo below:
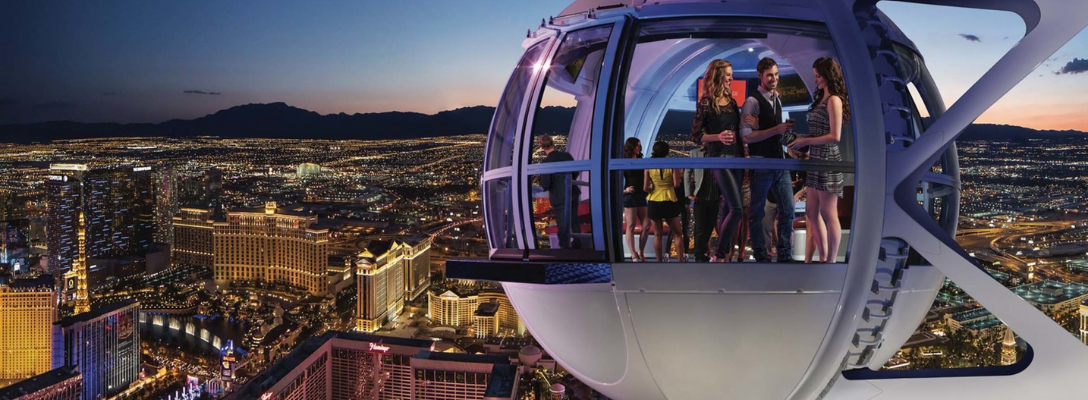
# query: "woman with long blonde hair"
[[716, 123], [829, 111]]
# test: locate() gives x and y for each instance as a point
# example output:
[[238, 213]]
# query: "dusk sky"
[[115, 61]]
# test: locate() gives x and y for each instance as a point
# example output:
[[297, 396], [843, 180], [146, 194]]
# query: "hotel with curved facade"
[[272, 245]]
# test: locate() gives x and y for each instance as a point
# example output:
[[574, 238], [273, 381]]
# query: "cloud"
[[111, 93], [970, 38], [202, 92], [55, 105], [1074, 67]]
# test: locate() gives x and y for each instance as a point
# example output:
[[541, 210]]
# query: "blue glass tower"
[[103, 345]]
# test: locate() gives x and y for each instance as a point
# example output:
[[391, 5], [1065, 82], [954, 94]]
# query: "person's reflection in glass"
[[560, 192], [634, 203]]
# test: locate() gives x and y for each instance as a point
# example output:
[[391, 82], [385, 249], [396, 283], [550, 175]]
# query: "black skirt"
[[660, 210], [636, 199]]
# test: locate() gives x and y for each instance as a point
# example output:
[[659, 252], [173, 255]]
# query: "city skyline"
[[279, 201], [156, 62]]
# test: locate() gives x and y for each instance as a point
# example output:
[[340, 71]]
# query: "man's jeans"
[[566, 213], [777, 182]]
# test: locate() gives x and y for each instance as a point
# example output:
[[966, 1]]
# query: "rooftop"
[[42, 281], [1050, 292], [998, 275], [502, 381], [276, 334], [279, 211], [280, 369], [462, 357], [97, 312], [971, 315], [984, 323], [38, 382], [379, 247], [488, 309]]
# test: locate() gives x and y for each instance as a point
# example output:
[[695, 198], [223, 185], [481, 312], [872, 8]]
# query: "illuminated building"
[[273, 246], [103, 345], [417, 267], [379, 278], [461, 311], [1053, 297], [193, 243], [15, 245], [339, 365], [448, 376], [307, 169], [27, 313], [11, 205], [1008, 348], [228, 361], [117, 202], [388, 274], [165, 183], [64, 383], [1084, 322], [64, 195], [75, 280]]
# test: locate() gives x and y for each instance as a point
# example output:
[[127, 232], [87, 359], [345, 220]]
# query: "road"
[[999, 245]]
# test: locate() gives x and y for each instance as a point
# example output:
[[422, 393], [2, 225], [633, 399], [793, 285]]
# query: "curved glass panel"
[[500, 220], [662, 91], [500, 146], [565, 110], [562, 210]]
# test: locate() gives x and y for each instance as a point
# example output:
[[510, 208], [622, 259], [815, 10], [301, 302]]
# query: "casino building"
[[103, 345], [27, 312], [341, 365], [273, 245]]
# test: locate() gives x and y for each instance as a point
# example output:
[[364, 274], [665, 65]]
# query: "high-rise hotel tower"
[[278, 246], [103, 345], [28, 308], [117, 202]]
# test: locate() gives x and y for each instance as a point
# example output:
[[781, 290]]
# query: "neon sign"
[[378, 347], [266, 396]]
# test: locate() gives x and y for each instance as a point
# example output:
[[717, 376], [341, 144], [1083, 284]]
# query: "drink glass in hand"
[[727, 137], [788, 136]]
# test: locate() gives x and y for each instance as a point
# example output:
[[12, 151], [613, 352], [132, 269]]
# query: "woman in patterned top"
[[716, 123], [829, 111]]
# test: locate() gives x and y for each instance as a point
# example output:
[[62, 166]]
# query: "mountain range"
[[279, 120]]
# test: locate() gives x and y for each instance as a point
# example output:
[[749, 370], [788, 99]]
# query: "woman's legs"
[[810, 240], [829, 212], [630, 219], [676, 230], [815, 226], [729, 211], [658, 231], [647, 226]]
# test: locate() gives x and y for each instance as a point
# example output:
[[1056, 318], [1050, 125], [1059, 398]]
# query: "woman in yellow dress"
[[662, 204]]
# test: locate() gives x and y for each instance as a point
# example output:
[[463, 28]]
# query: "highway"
[[1000, 244]]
